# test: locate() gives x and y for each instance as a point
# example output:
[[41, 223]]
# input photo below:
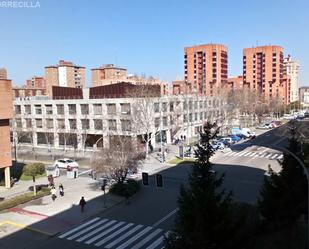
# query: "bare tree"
[[117, 161]]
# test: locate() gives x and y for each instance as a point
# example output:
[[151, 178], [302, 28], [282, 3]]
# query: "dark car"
[[225, 142], [235, 138]]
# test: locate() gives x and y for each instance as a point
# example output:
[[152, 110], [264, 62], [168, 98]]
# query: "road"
[[150, 214]]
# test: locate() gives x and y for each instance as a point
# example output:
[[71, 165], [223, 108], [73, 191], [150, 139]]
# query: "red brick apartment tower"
[[6, 113], [206, 68], [263, 72]]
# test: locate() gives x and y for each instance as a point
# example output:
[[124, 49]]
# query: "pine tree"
[[205, 218], [284, 195]]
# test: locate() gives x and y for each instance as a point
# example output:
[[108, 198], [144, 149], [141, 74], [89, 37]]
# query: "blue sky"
[[146, 36]]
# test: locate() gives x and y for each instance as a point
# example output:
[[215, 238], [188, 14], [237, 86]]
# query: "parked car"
[[227, 139], [216, 145], [264, 126], [276, 123], [65, 163], [225, 142], [306, 114], [235, 138]]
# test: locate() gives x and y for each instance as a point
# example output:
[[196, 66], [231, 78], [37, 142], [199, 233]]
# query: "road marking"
[[280, 157], [28, 213], [268, 155], [253, 154], [230, 152], [247, 153], [165, 217], [148, 238], [85, 172], [7, 222], [242, 153], [115, 242], [156, 243], [131, 240], [101, 242], [87, 229], [274, 156], [98, 229], [77, 228]]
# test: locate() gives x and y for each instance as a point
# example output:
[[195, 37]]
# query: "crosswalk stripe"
[[97, 230], [274, 156], [77, 228], [230, 152], [280, 157], [131, 240], [87, 229], [148, 238], [156, 243], [268, 156], [101, 242], [247, 153], [242, 153], [263, 154], [115, 242], [253, 154]]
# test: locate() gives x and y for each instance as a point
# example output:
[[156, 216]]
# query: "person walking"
[[61, 190], [82, 204], [53, 192]]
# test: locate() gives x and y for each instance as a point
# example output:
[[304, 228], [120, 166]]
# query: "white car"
[[65, 163]]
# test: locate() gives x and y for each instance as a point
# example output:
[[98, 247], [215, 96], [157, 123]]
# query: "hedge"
[[131, 187], [20, 199]]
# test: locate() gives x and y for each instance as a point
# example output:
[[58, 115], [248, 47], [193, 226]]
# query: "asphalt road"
[[151, 212]]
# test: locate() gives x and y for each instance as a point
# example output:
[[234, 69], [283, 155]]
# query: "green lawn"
[[28, 178], [177, 160]]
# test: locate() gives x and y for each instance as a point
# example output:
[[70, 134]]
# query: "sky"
[[146, 36]]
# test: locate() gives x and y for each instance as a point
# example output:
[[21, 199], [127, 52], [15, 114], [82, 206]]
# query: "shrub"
[[20, 199], [131, 187]]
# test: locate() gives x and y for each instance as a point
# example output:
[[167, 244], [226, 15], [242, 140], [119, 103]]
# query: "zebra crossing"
[[113, 234], [254, 154]]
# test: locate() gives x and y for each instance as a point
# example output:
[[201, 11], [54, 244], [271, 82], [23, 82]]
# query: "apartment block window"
[[190, 105], [125, 109], [98, 124], [205, 104], [18, 123], [185, 119], [49, 123], [49, 109], [97, 109], [85, 123], [209, 102], [195, 105], [164, 121], [112, 124], [17, 109], [61, 123], [72, 109], [156, 107], [157, 122], [171, 106], [60, 109], [72, 123], [28, 123], [38, 109], [164, 107], [201, 104], [84, 108], [27, 109], [38, 123], [201, 115], [125, 125], [195, 116]]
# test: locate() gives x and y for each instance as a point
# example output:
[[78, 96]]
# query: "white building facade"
[[85, 124], [292, 70]]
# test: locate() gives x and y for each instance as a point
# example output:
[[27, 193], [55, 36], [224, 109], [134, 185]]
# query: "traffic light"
[[145, 178], [159, 180]]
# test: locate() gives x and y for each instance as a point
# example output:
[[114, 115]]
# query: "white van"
[[247, 132]]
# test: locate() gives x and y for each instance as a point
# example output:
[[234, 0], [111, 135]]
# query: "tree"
[[117, 161], [205, 216], [284, 195], [34, 169]]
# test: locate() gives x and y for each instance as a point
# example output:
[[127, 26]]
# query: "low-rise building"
[[304, 95]]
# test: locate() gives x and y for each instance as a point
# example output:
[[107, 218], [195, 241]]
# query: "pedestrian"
[[53, 192], [82, 204], [61, 190]]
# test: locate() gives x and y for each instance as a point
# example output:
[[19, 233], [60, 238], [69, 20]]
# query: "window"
[[98, 124], [190, 117], [195, 116], [38, 109], [38, 123], [195, 105], [125, 109], [157, 122], [27, 109], [72, 109], [72, 123], [97, 109], [209, 102], [61, 123], [49, 109], [164, 121], [111, 109], [60, 109], [185, 118], [185, 105], [171, 106], [156, 107], [164, 107], [85, 123], [190, 105], [17, 109], [125, 125], [49, 123], [201, 115], [19, 123], [112, 125], [201, 104], [84, 108], [28, 122]]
